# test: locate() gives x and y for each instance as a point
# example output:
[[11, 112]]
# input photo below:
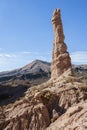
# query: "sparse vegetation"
[[46, 95]]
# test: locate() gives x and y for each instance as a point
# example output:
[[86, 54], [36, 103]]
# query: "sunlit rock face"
[[61, 60]]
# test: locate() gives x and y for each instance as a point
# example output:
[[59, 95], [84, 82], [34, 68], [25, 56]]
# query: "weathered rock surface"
[[25, 117], [61, 61], [74, 119], [59, 106]]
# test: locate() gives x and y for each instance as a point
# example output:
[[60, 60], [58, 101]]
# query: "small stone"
[[55, 115]]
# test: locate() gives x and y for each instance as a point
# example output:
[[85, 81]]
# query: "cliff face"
[[61, 61]]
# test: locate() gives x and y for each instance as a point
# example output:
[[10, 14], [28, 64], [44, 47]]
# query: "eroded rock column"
[[61, 60]]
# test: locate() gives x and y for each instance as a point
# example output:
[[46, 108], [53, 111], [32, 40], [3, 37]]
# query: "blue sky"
[[26, 32]]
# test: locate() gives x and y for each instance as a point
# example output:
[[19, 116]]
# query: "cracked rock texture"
[[61, 60]]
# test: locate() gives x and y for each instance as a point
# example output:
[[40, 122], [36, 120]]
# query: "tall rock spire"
[[61, 60]]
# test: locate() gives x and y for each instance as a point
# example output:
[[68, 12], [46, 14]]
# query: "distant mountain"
[[34, 67], [14, 84], [37, 70]]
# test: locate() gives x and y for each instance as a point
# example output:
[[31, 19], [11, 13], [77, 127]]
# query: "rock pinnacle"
[[61, 60]]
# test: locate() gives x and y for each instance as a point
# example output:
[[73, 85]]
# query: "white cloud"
[[79, 57], [9, 61], [5, 55], [29, 52]]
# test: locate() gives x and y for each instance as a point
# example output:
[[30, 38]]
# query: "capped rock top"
[[57, 25]]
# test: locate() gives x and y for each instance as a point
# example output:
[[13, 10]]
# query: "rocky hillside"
[[36, 72], [61, 105], [80, 71], [33, 68], [14, 84]]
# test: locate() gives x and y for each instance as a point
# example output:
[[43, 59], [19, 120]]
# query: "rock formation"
[[75, 118], [61, 61], [49, 106]]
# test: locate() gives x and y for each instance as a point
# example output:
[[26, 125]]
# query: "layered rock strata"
[[61, 60]]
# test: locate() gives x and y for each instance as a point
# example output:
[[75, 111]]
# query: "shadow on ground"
[[9, 94]]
